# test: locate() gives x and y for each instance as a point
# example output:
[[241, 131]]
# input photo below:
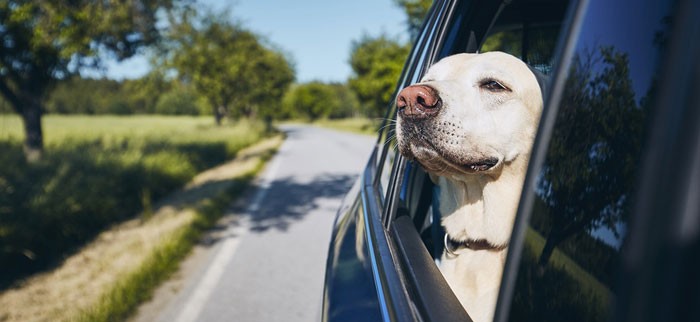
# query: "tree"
[[595, 146], [316, 100], [87, 96], [416, 11], [376, 64], [178, 101], [44, 41], [144, 93], [228, 65]]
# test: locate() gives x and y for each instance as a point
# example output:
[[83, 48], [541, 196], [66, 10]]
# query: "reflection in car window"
[[528, 31], [584, 189]]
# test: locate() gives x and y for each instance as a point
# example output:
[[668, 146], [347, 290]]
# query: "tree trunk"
[[34, 139], [552, 241], [218, 115]]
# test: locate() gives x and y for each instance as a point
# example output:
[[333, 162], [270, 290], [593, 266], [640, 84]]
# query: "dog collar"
[[451, 245]]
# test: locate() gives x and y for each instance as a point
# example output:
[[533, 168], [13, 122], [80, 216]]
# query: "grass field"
[[358, 125], [560, 260], [97, 171], [180, 129], [562, 291]]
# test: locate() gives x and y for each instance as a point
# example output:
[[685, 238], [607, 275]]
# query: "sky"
[[317, 34]]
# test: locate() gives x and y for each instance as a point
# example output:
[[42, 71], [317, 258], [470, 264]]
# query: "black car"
[[608, 223]]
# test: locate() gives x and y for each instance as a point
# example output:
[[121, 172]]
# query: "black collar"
[[452, 245]]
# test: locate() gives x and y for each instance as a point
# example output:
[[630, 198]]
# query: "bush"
[[316, 100], [177, 102]]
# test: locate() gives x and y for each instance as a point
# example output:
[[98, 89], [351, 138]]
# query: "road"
[[267, 260]]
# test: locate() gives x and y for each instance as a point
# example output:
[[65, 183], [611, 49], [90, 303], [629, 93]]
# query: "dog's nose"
[[418, 102]]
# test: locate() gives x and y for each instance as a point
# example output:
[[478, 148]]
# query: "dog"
[[470, 123]]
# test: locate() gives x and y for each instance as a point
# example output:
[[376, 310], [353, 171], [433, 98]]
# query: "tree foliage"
[[317, 100], [178, 101], [376, 64], [227, 64], [589, 172], [151, 94], [145, 92], [416, 11], [43, 41], [87, 96]]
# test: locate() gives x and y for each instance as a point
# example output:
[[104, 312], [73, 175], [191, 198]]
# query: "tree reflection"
[[588, 175]]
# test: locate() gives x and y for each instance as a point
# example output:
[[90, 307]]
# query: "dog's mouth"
[[442, 148], [439, 161], [482, 165]]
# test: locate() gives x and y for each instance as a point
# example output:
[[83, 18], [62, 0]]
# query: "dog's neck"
[[482, 206]]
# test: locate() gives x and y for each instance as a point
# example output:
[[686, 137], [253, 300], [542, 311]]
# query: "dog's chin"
[[440, 164]]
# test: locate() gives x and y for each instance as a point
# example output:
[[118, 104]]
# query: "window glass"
[[534, 44], [584, 190], [529, 31]]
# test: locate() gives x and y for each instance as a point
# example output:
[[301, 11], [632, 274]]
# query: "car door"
[[608, 224]]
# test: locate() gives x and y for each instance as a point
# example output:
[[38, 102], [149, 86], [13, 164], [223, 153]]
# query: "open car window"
[[526, 29], [520, 28]]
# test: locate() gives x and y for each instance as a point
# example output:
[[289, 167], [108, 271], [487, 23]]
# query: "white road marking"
[[193, 306]]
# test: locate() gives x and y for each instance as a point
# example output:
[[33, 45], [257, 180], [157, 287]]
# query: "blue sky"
[[317, 34]]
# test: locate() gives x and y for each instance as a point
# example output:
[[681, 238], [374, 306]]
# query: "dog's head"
[[470, 114]]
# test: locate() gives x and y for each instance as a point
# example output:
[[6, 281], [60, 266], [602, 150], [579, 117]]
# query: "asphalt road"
[[267, 261]]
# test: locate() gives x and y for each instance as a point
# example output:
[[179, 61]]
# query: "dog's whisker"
[[395, 146], [387, 125]]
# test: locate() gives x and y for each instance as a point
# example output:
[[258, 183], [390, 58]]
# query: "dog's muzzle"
[[417, 102]]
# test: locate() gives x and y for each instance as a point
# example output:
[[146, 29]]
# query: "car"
[[608, 224]]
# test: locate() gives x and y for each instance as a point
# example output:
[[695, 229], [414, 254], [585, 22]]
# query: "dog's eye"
[[493, 85]]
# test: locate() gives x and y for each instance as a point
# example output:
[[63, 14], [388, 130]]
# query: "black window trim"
[[429, 46], [417, 51], [394, 301]]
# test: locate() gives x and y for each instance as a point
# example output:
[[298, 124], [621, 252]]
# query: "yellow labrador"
[[470, 123]]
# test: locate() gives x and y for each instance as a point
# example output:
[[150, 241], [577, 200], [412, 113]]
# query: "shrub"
[[177, 102]]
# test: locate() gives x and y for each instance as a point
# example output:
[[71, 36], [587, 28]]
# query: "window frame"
[[430, 295]]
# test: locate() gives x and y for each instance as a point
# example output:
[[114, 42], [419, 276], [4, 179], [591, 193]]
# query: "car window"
[[528, 31], [585, 187], [478, 26], [536, 25]]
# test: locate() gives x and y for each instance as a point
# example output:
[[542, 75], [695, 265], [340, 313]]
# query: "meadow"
[[562, 290], [97, 171]]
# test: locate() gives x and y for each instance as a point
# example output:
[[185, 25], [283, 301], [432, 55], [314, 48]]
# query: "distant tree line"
[[153, 95]]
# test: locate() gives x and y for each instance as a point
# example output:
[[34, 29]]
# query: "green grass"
[[97, 171], [114, 130], [561, 291], [535, 241], [358, 125]]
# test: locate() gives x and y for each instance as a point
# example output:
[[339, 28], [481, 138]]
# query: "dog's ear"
[[542, 80]]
